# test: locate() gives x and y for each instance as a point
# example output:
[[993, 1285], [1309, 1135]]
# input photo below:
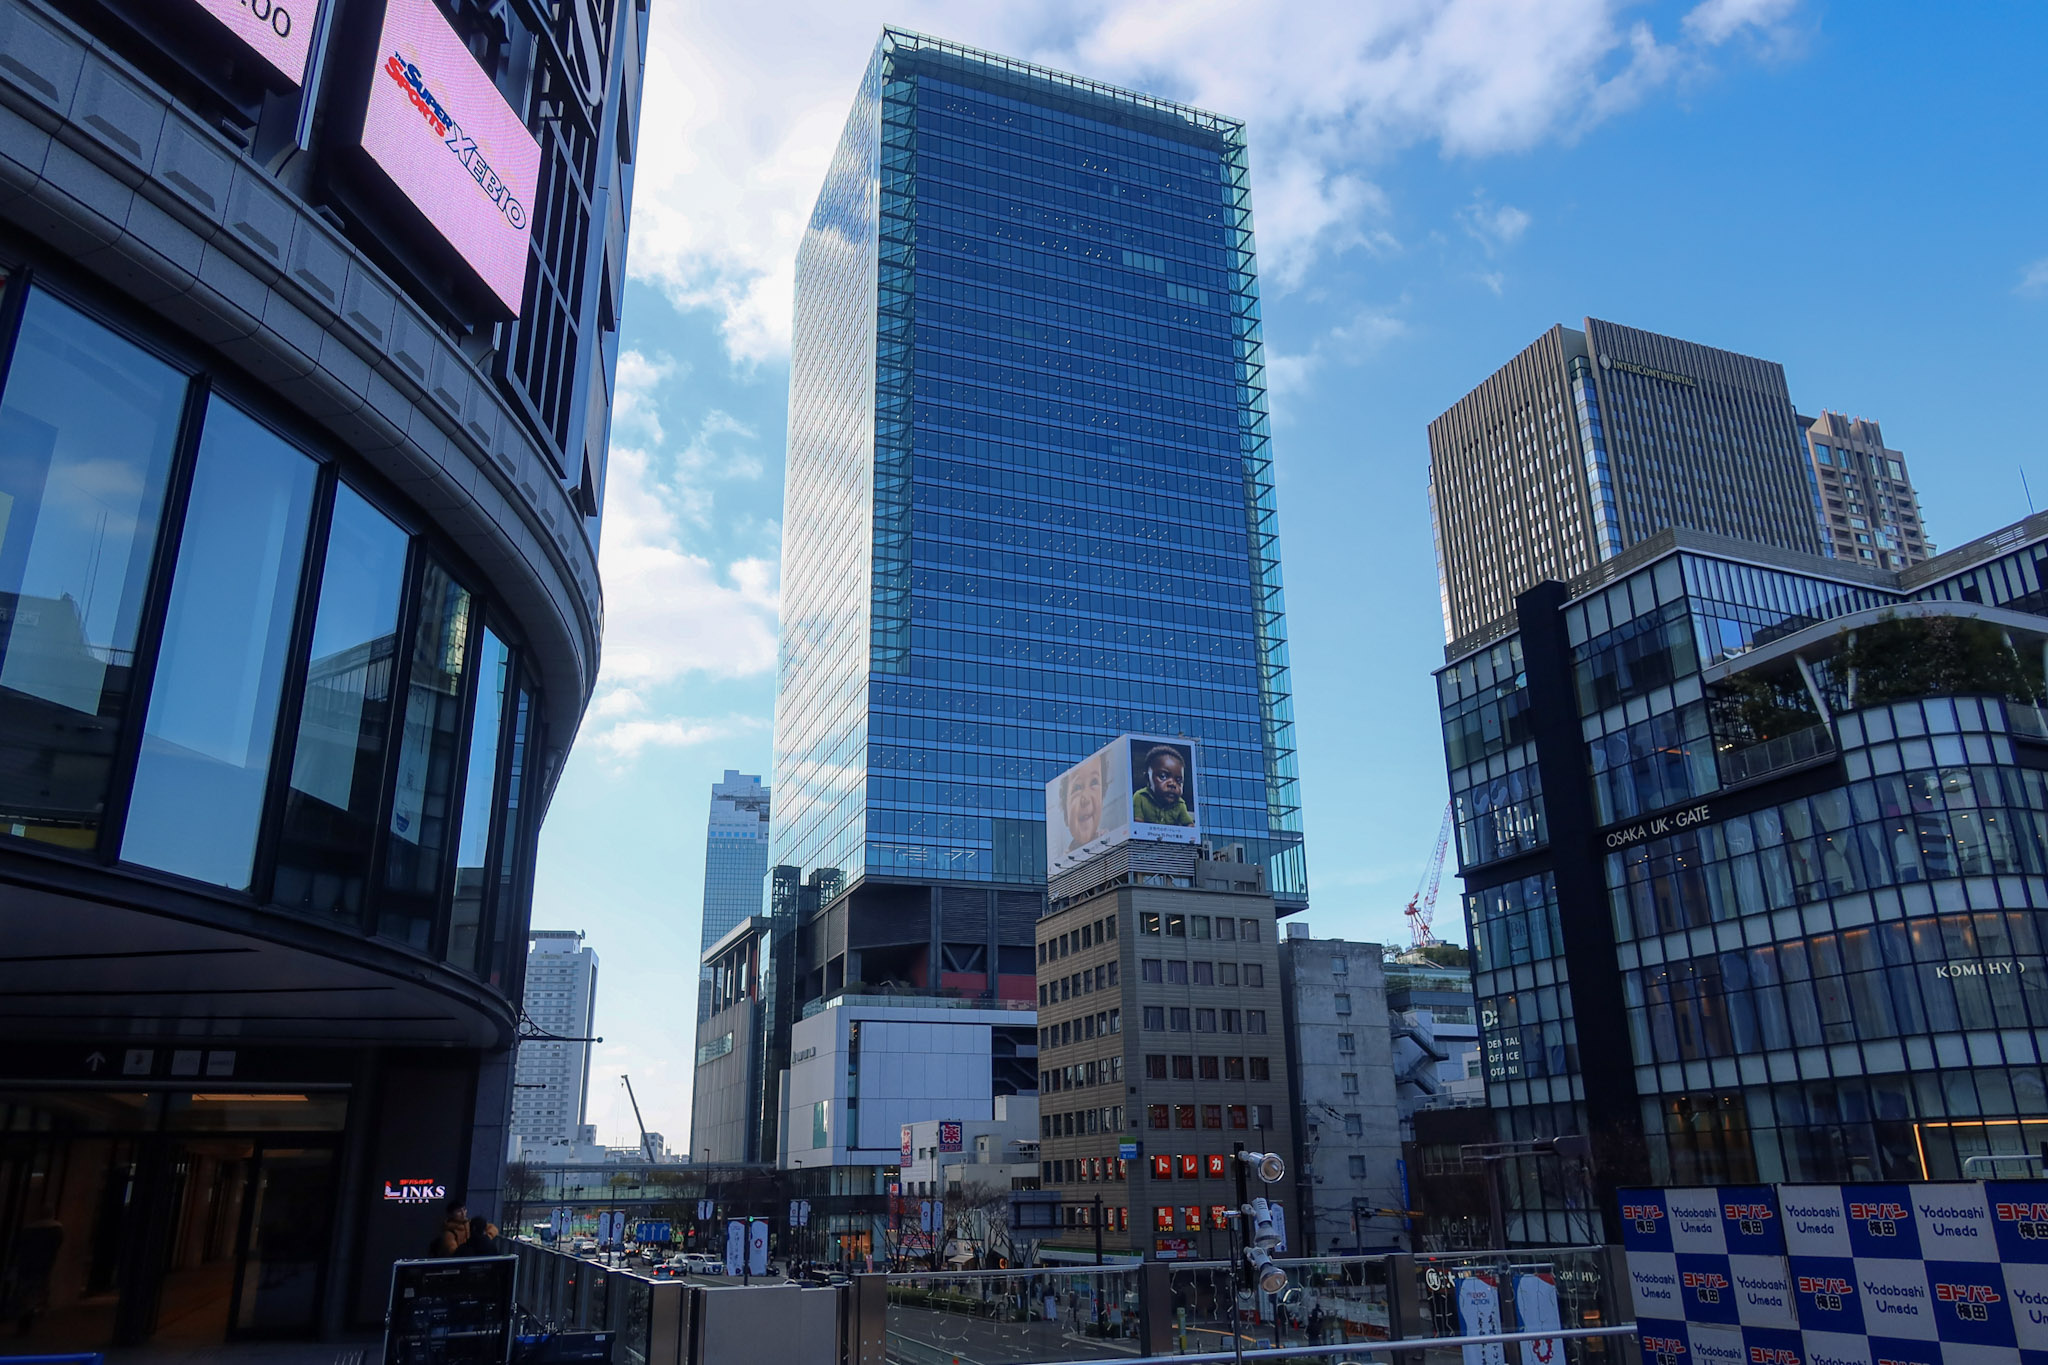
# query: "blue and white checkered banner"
[[1878, 1274]]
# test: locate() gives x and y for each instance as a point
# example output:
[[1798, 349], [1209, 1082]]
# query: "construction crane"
[[1422, 906], [645, 1145]]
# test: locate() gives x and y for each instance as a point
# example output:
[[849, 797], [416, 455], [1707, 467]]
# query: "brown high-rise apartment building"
[[1161, 1050], [1595, 439], [1870, 512]]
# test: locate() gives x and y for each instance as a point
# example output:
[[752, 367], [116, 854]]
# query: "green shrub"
[[1902, 658]]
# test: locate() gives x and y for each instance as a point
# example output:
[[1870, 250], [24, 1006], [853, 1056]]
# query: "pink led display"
[[451, 144], [278, 31]]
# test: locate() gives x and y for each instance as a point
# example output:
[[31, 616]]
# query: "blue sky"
[[1855, 190]]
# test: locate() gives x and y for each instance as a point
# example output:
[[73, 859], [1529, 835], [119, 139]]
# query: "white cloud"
[[744, 104], [2033, 278], [1365, 334], [1716, 21], [1494, 227], [671, 611], [627, 739]]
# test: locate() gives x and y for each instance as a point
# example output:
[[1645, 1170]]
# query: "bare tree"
[[979, 1214], [524, 1185]]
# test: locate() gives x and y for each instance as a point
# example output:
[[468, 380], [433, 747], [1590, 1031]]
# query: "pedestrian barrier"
[[1552, 1306]]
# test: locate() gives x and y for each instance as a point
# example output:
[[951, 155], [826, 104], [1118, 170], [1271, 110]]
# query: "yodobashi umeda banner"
[[278, 31], [451, 144]]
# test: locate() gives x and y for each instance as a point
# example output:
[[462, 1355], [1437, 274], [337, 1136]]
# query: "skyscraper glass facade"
[[735, 853], [1030, 501]]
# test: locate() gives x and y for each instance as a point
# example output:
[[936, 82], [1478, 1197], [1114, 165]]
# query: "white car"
[[699, 1264]]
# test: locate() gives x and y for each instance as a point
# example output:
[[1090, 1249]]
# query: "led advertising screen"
[[1135, 787], [440, 130], [278, 31]]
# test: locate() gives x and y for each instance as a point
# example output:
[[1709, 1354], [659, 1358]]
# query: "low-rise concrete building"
[[1350, 1187]]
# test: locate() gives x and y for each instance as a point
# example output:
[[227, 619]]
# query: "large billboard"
[[1139, 787], [1947, 1273], [440, 130], [278, 31]]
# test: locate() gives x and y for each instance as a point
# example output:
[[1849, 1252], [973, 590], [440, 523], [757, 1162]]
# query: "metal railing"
[[1333, 1309], [1756, 760], [1200, 1310]]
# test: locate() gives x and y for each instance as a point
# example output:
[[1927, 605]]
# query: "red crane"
[[1422, 906]]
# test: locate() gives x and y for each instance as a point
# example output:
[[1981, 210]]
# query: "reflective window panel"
[[479, 804], [330, 816], [513, 841], [88, 428], [416, 845], [212, 721]]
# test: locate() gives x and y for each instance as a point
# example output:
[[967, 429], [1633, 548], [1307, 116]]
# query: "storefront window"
[[88, 429], [345, 718], [418, 836], [199, 784]]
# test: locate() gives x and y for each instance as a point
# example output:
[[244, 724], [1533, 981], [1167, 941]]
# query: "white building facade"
[[552, 1081], [863, 1068], [1349, 1183]]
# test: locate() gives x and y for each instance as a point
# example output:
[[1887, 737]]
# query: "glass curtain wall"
[[1073, 530], [272, 758], [337, 776], [89, 426], [205, 763]]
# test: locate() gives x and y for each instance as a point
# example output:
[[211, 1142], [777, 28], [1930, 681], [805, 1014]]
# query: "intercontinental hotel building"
[[1754, 843]]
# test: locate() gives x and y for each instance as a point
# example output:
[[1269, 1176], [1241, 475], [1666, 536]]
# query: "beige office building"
[[1594, 439], [1870, 512]]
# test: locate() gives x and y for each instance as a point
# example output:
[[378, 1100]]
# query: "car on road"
[[584, 1246], [699, 1264]]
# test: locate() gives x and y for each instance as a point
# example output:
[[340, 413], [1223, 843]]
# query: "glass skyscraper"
[[1029, 503], [735, 861]]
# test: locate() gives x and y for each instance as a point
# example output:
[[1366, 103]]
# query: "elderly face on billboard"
[[1085, 807], [1164, 778]]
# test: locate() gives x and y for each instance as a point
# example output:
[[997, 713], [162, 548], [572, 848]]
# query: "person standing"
[[454, 1233], [483, 1239]]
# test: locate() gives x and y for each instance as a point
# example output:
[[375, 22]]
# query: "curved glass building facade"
[[1755, 848], [298, 608]]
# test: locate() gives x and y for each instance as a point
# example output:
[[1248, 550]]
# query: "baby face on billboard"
[[1165, 776]]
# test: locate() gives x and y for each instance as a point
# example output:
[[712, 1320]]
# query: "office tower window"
[[344, 723], [205, 763], [88, 426]]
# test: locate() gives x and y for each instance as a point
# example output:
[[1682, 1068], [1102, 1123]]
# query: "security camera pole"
[[1244, 1231], [1244, 1249]]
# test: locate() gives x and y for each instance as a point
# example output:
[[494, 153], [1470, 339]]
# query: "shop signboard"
[[437, 127], [278, 31]]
